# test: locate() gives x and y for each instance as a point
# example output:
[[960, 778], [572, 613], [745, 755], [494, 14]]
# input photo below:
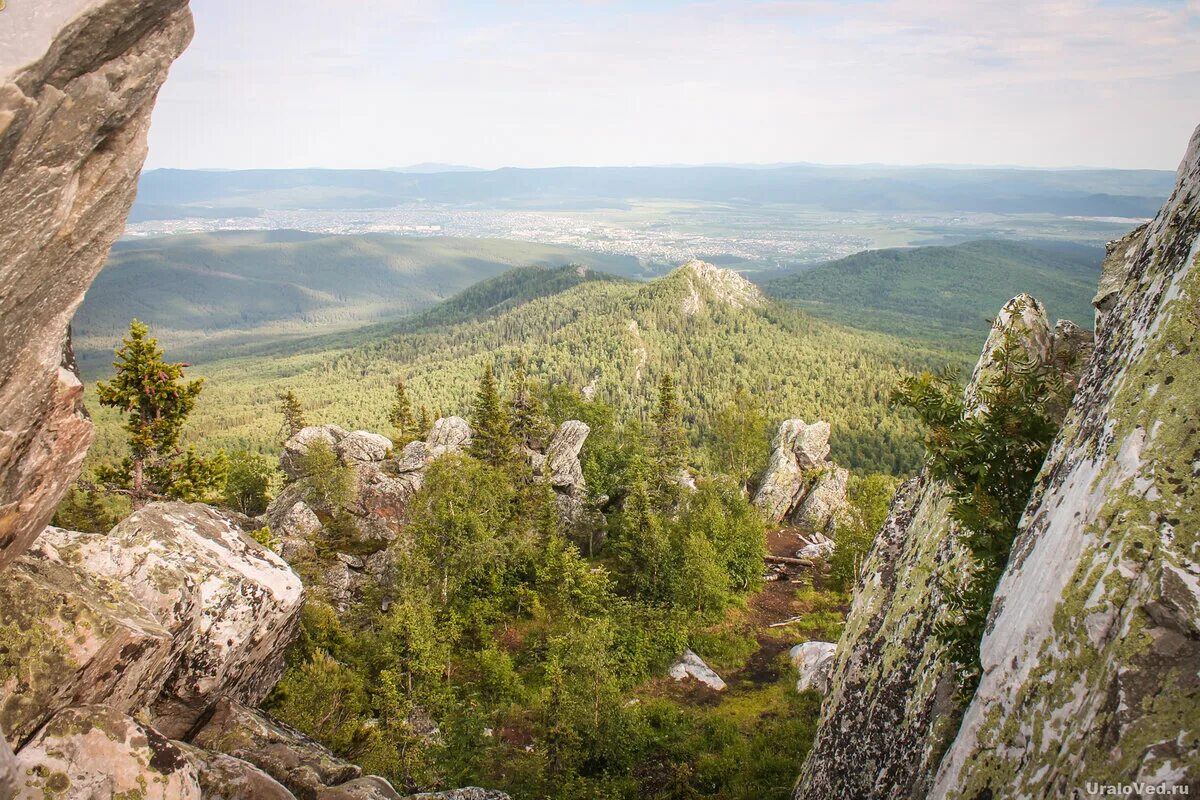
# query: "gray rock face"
[[232, 605], [891, 710], [74, 637], [363, 446], [306, 768], [449, 435], [812, 661], [800, 486], [9, 774], [1092, 654], [92, 752], [561, 466], [77, 84], [691, 665]]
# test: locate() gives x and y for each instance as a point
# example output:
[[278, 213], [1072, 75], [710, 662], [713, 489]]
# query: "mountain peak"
[[723, 285]]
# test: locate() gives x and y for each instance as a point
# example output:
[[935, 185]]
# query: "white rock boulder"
[[812, 661], [691, 665]]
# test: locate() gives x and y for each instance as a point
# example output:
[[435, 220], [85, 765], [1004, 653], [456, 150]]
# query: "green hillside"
[[945, 293], [211, 295], [583, 330]]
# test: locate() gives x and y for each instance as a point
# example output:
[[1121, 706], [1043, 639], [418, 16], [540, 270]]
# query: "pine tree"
[[643, 549], [529, 425], [424, 423], [401, 416], [293, 414], [491, 433], [158, 402]]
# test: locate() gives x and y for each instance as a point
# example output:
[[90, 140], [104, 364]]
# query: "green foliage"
[[293, 414], [330, 483], [492, 438], [90, 510], [248, 483], [670, 442], [584, 337], [263, 536], [157, 402], [944, 294], [988, 455], [530, 426], [869, 497], [740, 444], [401, 416]]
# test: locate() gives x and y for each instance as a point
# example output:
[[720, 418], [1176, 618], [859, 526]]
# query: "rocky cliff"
[[1092, 654], [892, 710], [1091, 657], [78, 80]]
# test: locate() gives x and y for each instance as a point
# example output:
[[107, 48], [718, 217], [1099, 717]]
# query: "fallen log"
[[799, 562]]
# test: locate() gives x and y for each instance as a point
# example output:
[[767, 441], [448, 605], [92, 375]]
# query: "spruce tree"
[[293, 414], [491, 433], [424, 423], [158, 402], [670, 442], [401, 415]]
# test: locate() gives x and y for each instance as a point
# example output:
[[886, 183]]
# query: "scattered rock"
[[819, 548], [92, 752], [691, 665], [813, 660]]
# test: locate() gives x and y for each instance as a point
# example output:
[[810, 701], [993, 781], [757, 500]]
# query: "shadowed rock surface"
[[74, 111]]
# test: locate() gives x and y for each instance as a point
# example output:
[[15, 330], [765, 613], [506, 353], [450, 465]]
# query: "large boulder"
[[9, 773], [70, 636], [297, 445], [1091, 656], [77, 84], [892, 707], [822, 501], [448, 435], [93, 752], [232, 604], [363, 446]]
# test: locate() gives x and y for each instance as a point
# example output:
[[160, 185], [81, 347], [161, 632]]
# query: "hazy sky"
[[376, 83]]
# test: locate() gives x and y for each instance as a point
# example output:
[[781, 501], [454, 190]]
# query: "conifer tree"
[[529, 424], [401, 415], [670, 442], [157, 401], [293, 414], [424, 423], [491, 433]]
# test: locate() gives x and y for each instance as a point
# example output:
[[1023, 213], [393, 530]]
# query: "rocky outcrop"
[[801, 486], [223, 777], [77, 84], [8, 770], [1092, 654], [892, 707], [692, 666], [306, 768], [94, 751], [812, 661], [706, 282]]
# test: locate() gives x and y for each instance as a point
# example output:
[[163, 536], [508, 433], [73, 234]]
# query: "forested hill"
[[713, 330], [945, 293], [209, 295]]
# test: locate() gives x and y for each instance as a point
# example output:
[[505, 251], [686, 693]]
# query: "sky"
[[381, 83]]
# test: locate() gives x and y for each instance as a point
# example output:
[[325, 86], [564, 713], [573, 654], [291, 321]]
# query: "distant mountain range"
[[1111, 193], [214, 294]]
